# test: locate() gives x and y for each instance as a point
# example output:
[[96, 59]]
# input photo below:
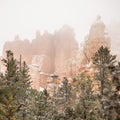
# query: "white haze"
[[24, 17]]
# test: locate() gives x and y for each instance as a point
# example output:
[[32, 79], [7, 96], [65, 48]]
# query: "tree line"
[[87, 98]]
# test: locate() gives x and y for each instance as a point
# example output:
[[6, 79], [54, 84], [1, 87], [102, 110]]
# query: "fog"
[[24, 17]]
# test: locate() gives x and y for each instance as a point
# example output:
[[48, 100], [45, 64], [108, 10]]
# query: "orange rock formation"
[[47, 52], [96, 38], [58, 53]]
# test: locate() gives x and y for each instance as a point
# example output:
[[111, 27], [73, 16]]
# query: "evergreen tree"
[[115, 96], [102, 60], [24, 89], [11, 90], [39, 105], [85, 98], [64, 94]]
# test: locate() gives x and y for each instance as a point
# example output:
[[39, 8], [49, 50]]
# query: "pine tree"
[[85, 98], [13, 84], [9, 90], [24, 88], [64, 93], [39, 105], [115, 96], [102, 60]]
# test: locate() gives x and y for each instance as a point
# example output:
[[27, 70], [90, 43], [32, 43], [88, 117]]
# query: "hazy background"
[[24, 17]]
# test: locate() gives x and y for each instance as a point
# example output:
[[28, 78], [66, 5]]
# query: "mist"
[[24, 17]]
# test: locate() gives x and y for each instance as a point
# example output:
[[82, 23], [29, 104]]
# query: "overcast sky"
[[24, 17]]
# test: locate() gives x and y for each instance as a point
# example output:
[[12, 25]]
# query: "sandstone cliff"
[[59, 52], [96, 38], [49, 52]]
